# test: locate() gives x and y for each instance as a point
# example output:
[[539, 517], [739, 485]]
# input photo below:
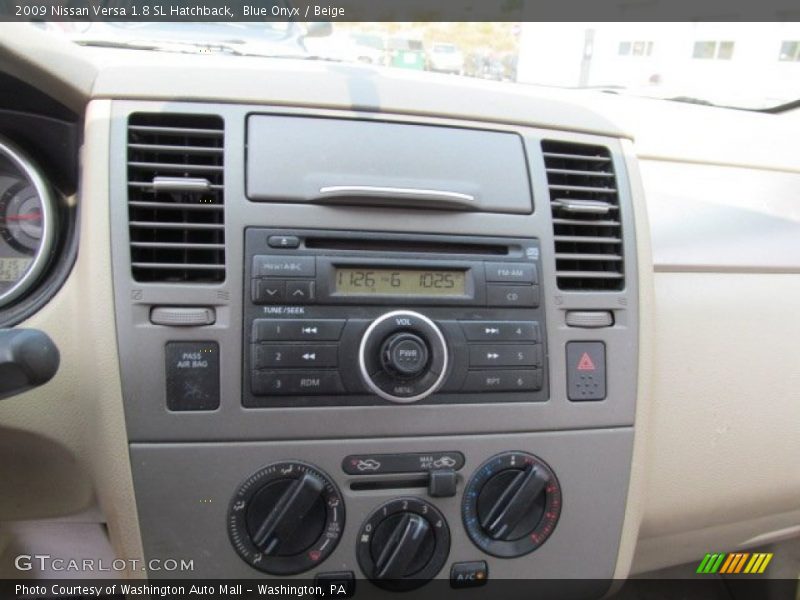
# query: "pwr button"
[[586, 371]]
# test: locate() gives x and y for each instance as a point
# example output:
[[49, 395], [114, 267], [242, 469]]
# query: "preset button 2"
[[295, 355]]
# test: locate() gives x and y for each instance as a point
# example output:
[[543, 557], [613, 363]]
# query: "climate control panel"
[[288, 517]]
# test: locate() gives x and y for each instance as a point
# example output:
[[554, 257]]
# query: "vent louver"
[[586, 221], [175, 197]]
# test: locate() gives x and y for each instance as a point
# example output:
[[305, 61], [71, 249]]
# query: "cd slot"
[[416, 246]]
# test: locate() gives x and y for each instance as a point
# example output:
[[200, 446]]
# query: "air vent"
[[586, 220], [175, 198]]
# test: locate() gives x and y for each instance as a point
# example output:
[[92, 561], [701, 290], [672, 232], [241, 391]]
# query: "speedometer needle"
[[34, 216]]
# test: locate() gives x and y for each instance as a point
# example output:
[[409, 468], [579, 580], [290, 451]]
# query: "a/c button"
[[468, 574]]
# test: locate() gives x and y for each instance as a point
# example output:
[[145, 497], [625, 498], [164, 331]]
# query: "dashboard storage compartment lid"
[[346, 161]]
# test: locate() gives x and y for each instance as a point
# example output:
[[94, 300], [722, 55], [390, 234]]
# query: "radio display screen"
[[355, 281]]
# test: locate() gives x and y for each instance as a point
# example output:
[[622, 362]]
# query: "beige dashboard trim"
[[78, 416], [637, 486]]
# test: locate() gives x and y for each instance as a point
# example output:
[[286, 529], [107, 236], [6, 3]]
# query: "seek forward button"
[[505, 355], [299, 292]]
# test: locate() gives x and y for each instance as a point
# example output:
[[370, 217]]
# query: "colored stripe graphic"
[[740, 562], [763, 565], [734, 563], [727, 564], [711, 563]]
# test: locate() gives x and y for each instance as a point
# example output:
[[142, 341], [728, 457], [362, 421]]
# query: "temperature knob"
[[403, 544], [511, 505], [286, 518]]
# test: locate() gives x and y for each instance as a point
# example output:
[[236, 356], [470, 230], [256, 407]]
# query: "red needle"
[[26, 217]]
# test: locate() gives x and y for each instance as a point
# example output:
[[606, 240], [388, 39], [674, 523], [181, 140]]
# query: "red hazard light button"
[[586, 371]]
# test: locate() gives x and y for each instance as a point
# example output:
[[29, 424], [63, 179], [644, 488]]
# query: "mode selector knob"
[[403, 356], [286, 518]]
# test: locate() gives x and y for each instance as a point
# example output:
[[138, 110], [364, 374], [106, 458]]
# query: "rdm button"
[[192, 370]]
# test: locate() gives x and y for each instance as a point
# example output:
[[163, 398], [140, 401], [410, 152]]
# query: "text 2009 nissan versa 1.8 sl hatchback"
[[286, 313]]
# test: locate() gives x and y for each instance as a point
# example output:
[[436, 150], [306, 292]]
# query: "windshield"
[[742, 65]]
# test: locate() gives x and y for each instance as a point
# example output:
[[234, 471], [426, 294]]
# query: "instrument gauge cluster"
[[27, 224]]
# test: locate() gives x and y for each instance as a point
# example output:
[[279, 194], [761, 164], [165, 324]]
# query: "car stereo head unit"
[[336, 319]]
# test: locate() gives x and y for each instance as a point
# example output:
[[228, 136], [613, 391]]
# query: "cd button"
[[505, 355], [512, 295]]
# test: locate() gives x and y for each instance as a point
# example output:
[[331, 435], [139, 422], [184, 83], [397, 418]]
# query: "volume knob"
[[403, 357], [405, 354]]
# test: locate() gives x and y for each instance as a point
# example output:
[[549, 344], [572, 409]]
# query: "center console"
[[375, 350], [336, 318]]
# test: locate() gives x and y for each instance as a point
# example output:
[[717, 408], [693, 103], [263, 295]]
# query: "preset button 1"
[[322, 330]]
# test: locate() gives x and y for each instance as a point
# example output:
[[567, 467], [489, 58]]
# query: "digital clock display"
[[400, 282]]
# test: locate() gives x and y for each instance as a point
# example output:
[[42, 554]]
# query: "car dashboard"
[[327, 322]]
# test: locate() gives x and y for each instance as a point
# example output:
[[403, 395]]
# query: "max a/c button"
[[468, 574]]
